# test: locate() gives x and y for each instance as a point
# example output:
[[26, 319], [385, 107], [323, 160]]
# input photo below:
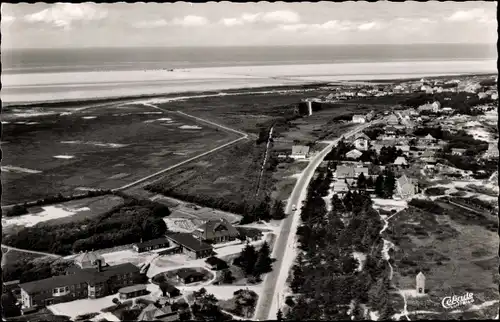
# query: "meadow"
[[52, 150]]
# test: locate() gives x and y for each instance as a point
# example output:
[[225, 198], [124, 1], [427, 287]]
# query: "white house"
[[401, 161], [354, 154], [405, 187], [358, 119], [299, 152], [361, 142]]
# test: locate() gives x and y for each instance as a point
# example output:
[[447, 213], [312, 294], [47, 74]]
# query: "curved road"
[[275, 281]]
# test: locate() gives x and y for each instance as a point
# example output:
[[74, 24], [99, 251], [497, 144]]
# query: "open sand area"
[[34, 87]]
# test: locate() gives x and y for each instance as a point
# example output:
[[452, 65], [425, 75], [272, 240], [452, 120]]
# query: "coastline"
[[28, 89]]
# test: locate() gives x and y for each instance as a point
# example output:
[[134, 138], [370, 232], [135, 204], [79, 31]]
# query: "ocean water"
[[36, 75], [116, 59]]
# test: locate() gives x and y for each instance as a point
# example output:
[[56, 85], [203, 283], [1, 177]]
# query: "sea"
[[32, 75]]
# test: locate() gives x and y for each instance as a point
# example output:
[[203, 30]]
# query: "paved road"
[[29, 251], [275, 281]]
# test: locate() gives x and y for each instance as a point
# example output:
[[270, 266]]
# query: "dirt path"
[[144, 180], [29, 251]]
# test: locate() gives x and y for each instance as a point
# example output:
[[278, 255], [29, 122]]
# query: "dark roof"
[[187, 272], [214, 260], [133, 288], [187, 240], [171, 288], [152, 242], [88, 275], [209, 229]]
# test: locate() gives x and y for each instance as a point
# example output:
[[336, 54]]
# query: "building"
[[154, 313], [187, 244], [215, 263], [390, 130], [458, 151], [89, 260], [354, 154], [405, 187], [189, 275], [12, 286], [361, 170], [216, 231], [405, 148], [436, 106], [151, 245], [393, 119], [400, 161], [358, 119], [492, 151], [361, 142], [420, 283], [427, 139], [78, 283], [129, 292], [344, 172], [447, 110], [300, 152]]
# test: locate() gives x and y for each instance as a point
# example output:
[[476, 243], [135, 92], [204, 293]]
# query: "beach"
[[77, 85]]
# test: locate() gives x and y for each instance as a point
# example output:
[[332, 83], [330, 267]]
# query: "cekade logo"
[[451, 302]]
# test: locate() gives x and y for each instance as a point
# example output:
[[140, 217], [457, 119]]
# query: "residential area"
[[425, 164]]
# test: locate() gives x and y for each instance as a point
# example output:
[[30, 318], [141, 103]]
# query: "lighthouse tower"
[[420, 283]]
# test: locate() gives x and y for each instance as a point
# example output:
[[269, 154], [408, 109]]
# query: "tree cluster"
[[255, 263], [123, 224], [324, 276], [385, 185], [205, 307]]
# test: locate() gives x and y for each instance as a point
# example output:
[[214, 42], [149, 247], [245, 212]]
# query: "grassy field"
[[104, 147], [455, 256]]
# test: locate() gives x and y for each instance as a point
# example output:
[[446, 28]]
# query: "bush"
[[17, 210], [426, 205]]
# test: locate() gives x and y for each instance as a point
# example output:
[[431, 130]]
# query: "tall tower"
[[420, 283]]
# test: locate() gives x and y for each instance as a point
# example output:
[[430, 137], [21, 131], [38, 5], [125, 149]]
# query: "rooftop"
[[153, 242], [133, 288], [187, 240]]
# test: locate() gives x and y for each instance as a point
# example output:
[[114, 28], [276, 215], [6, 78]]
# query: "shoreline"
[[51, 89]]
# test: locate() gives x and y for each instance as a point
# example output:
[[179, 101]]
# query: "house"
[[340, 187], [151, 245], [390, 130], [430, 162], [189, 275], [359, 170], [354, 154], [427, 154], [215, 263], [405, 148], [427, 139], [299, 152], [361, 142], [420, 282], [216, 231], [129, 292], [405, 187], [344, 172], [400, 161], [89, 260], [392, 119], [436, 106], [13, 287], [78, 283], [189, 245], [358, 119], [154, 313], [458, 151], [447, 110], [492, 151]]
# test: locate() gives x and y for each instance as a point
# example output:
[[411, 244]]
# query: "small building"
[[344, 172], [154, 313], [12, 286], [354, 154], [358, 119], [89, 260], [447, 110], [492, 151], [299, 152], [151, 245], [400, 161], [405, 187], [458, 151], [215, 263], [216, 231], [170, 290], [361, 142], [393, 119], [390, 130], [420, 283], [189, 245], [129, 292], [189, 275]]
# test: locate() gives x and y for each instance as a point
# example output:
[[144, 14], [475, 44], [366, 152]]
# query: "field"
[[52, 150], [70, 211], [456, 256]]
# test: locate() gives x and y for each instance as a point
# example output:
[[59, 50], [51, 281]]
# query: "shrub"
[[426, 205]]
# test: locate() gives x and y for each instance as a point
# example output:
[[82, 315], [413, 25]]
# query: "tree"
[[164, 288], [389, 184], [379, 186], [227, 276], [279, 315], [9, 307], [278, 211], [264, 261], [116, 301], [298, 275], [361, 182], [247, 259]]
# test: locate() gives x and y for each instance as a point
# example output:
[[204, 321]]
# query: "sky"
[[65, 25]]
